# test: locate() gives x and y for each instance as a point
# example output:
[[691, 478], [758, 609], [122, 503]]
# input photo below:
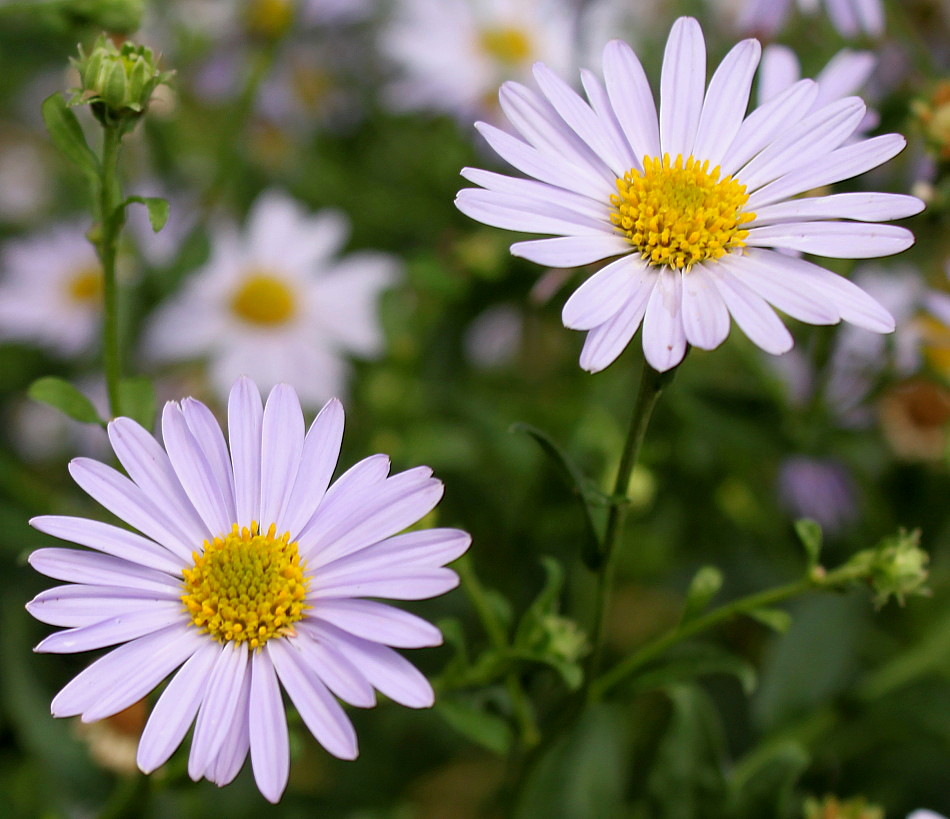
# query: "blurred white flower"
[[274, 302], [851, 18], [51, 290], [453, 54], [25, 185]]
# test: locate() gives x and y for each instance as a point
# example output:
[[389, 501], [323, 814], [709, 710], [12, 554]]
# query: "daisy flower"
[[251, 575], [696, 202], [850, 18], [51, 291], [275, 304], [454, 53]]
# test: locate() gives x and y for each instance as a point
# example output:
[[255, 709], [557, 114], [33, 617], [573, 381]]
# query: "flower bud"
[[896, 567], [117, 82]]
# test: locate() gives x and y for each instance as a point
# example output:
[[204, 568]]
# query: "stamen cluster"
[[246, 587], [680, 213], [264, 299]]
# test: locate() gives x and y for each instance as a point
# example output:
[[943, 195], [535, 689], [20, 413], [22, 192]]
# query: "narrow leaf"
[[705, 586], [66, 398], [809, 533], [488, 730], [157, 209], [67, 135], [776, 619]]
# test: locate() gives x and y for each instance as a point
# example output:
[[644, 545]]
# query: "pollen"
[[506, 44], [680, 213], [246, 587], [264, 299]]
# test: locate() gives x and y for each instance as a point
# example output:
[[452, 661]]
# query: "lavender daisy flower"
[[251, 573], [697, 203]]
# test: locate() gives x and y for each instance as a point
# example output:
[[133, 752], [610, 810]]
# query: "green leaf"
[[66, 398], [777, 619], [67, 135], [474, 723], [137, 398], [693, 661], [579, 484], [705, 586], [762, 783], [157, 209], [809, 533]]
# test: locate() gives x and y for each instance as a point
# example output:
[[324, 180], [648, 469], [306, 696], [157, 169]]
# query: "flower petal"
[[631, 99], [862, 207], [245, 424], [664, 340], [571, 251], [80, 605], [114, 628], [839, 240], [176, 709], [754, 317], [682, 86], [603, 295], [604, 343], [96, 569], [281, 447], [207, 432], [512, 212], [377, 622], [237, 740], [705, 317], [334, 668], [270, 746]]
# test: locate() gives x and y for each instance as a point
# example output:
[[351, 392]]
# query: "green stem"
[[110, 225], [651, 385], [817, 579], [498, 637]]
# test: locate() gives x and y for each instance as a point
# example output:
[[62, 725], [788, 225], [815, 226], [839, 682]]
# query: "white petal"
[[321, 450], [579, 116], [80, 605], [207, 432], [511, 212], [130, 503], [814, 136], [571, 251], [126, 674], [530, 161], [604, 343], [761, 126], [863, 207], [245, 414], [176, 709], [281, 447], [96, 569], [844, 74], [385, 669], [218, 708], [110, 540], [270, 746], [600, 102], [148, 465], [631, 99], [754, 317], [682, 84], [114, 628], [536, 191], [849, 300], [194, 472], [839, 240], [237, 740], [664, 340], [726, 101], [603, 295], [705, 317], [377, 622], [423, 547], [779, 71], [842, 163], [335, 669], [398, 583], [320, 712], [781, 287], [370, 516]]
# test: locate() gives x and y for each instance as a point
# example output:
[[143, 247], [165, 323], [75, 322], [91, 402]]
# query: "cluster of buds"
[[896, 567], [117, 82]]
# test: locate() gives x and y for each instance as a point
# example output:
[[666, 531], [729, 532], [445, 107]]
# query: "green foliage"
[[66, 398]]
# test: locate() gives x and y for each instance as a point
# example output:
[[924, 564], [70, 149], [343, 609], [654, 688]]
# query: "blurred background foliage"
[[744, 722]]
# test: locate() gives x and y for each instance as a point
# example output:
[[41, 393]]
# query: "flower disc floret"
[[246, 587], [264, 300], [680, 213]]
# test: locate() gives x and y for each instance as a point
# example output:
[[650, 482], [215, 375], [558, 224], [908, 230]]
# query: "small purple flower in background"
[[851, 18], [818, 488], [696, 202], [251, 573]]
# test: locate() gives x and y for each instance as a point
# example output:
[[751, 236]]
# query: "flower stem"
[[651, 385], [111, 218], [816, 579]]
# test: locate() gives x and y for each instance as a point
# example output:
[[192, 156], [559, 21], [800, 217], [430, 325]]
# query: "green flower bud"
[[896, 567], [117, 82]]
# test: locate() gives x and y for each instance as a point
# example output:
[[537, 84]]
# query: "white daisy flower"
[[251, 575], [454, 53], [850, 18], [51, 290], [696, 203], [275, 304]]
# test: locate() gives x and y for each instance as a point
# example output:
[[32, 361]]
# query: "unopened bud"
[[897, 567]]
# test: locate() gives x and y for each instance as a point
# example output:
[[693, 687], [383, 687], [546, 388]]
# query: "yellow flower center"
[[264, 299], [270, 18], [85, 285], [506, 44], [677, 214], [246, 587]]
